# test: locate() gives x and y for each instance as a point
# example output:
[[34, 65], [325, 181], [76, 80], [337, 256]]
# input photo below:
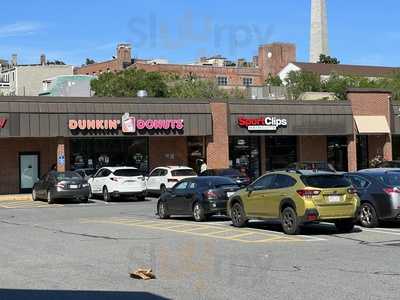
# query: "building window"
[[281, 151], [247, 81], [244, 155], [337, 152], [222, 80]]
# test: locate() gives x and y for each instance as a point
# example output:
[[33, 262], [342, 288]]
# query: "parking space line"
[[217, 232], [381, 231]]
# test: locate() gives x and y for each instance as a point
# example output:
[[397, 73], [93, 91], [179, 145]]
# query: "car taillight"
[[211, 195], [390, 191], [60, 185], [352, 191], [308, 193], [173, 180]]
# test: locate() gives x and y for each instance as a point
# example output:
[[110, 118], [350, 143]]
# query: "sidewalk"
[[17, 197]]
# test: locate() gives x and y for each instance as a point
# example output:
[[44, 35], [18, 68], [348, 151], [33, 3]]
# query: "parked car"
[[297, 198], [162, 179], [113, 182], [312, 165], [200, 197], [86, 173], [379, 191], [61, 185], [390, 164], [240, 179]]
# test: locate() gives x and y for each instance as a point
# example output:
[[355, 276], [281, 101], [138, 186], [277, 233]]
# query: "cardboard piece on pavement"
[[145, 274]]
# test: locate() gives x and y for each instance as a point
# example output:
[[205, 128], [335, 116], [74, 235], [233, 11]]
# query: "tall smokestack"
[[319, 30]]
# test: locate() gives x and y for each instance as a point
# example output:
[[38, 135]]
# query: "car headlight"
[[85, 185]]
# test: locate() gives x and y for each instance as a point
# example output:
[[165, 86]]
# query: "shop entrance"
[[337, 152], [28, 171], [95, 153], [362, 152], [244, 155]]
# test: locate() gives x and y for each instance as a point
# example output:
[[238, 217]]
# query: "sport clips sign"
[[128, 125], [262, 124]]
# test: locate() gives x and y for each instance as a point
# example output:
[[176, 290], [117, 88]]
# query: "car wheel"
[[162, 211], [238, 215], [290, 222], [106, 194], [34, 196], [345, 226], [198, 213], [163, 189], [50, 199], [85, 200], [367, 216], [141, 198]]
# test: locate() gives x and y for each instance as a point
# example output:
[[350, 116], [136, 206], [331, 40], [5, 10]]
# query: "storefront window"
[[281, 151], [337, 152], [97, 153], [396, 147], [196, 152], [362, 152], [244, 155]]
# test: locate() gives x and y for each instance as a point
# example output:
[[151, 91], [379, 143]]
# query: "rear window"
[[67, 176], [183, 172], [128, 173], [390, 179], [90, 172], [228, 172], [326, 181], [219, 182]]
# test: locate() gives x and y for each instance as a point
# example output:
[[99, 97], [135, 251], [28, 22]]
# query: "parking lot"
[[93, 247]]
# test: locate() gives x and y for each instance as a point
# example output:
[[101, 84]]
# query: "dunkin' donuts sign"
[[262, 124], [128, 124]]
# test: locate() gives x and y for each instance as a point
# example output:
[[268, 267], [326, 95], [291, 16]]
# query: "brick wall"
[[274, 57], [370, 103], [168, 151], [114, 65], [352, 153], [218, 144], [9, 156], [312, 148]]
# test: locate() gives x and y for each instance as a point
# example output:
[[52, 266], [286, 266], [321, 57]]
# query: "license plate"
[[229, 194], [73, 186], [334, 199]]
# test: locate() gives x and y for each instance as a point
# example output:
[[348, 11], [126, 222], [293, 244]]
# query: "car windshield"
[[183, 172], [390, 164], [228, 172], [67, 176], [128, 173], [326, 181]]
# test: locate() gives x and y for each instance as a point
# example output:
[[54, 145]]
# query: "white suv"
[[164, 178], [117, 181]]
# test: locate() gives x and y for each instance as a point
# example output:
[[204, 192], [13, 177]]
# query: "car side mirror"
[[250, 189]]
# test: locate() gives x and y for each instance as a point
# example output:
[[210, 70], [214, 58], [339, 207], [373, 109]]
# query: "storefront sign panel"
[[262, 123], [3, 122]]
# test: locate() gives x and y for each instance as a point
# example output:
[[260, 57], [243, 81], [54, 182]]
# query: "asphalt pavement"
[[86, 251]]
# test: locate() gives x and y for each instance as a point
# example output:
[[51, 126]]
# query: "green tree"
[[273, 80], [326, 59], [90, 61], [128, 83], [300, 82]]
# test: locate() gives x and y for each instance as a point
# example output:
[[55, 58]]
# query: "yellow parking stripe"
[[231, 234]]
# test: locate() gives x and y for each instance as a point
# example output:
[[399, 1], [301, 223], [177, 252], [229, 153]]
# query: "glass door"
[[28, 170]]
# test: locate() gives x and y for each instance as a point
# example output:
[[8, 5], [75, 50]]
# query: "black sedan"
[[241, 179], [200, 197], [61, 185], [379, 191]]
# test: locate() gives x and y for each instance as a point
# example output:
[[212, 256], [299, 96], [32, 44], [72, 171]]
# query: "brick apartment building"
[[271, 59], [253, 135]]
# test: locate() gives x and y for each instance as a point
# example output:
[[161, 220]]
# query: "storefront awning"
[[372, 124]]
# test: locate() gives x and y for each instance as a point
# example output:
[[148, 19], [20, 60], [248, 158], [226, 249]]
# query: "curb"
[[21, 197]]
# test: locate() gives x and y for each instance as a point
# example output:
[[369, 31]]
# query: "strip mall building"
[[36, 133]]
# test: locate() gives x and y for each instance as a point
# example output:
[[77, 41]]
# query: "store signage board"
[[3, 122], [128, 124], [262, 124]]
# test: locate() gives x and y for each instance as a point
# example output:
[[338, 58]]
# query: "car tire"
[[290, 221], [163, 189], [199, 214], [34, 195], [367, 216], [238, 215], [85, 200], [50, 199], [345, 226], [106, 195], [141, 198], [162, 211]]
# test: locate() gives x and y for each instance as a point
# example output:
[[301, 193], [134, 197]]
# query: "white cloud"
[[19, 29]]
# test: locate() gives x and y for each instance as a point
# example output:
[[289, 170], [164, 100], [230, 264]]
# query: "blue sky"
[[360, 31]]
